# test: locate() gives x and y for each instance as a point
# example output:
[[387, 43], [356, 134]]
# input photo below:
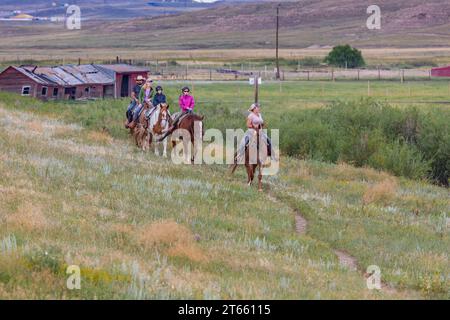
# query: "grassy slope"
[[72, 195]]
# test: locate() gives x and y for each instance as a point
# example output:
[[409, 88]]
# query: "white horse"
[[159, 123]]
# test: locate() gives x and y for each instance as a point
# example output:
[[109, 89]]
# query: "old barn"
[[441, 72], [71, 82]]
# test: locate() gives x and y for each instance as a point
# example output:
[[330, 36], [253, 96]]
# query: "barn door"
[[125, 86]]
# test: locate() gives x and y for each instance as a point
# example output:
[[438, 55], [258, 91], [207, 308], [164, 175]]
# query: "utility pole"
[[277, 60], [256, 88]]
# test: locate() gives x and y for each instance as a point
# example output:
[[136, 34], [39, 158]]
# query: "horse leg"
[[156, 149], [186, 151], [259, 178], [145, 140], [249, 174], [136, 137], [165, 148]]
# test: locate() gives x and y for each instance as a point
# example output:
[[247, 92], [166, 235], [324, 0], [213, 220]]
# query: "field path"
[[345, 260]]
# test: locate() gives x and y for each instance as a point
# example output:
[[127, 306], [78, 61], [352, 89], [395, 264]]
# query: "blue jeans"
[[136, 112], [130, 108]]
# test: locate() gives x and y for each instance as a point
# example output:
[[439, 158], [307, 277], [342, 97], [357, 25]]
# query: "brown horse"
[[187, 123], [140, 130], [255, 144]]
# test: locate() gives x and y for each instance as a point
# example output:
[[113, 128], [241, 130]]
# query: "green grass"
[[141, 227]]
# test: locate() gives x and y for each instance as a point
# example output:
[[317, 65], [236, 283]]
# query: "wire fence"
[[217, 72], [208, 71]]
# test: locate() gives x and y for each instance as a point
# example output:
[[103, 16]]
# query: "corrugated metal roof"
[[69, 75], [73, 75], [27, 71], [123, 68]]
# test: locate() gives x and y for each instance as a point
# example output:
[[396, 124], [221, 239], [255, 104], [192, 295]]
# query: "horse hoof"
[[260, 190]]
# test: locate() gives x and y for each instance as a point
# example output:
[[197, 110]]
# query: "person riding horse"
[[254, 122], [186, 103], [159, 97], [145, 96], [134, 99]]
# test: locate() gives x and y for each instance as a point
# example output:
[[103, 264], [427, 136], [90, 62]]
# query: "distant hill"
[[303, 23]]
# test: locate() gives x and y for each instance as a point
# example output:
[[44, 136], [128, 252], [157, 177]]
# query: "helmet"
[[159, 88]]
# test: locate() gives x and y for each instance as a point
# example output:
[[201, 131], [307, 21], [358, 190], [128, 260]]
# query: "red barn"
[[441, 72], [124, 77], [71, 81]]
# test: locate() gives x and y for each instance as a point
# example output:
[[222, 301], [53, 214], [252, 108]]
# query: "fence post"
[[332, 74], [358, 74], [210, 75], [379, 73], [308, 74], [368, 88]]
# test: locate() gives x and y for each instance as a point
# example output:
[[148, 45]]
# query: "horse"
[[255, 144], [159, 123], [140, 131], [187, 123]]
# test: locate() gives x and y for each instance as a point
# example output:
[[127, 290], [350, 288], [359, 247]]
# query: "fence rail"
[[189, 70]]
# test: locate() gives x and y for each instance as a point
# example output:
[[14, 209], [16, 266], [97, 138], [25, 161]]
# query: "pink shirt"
[[186, 102], [255, 119]]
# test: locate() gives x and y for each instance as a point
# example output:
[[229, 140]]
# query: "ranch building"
[[72, 82]]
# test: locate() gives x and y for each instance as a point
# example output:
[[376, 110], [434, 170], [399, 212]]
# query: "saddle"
[[175, 115]]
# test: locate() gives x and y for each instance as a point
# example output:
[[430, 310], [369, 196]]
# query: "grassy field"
[[60, 55], [73, 193]]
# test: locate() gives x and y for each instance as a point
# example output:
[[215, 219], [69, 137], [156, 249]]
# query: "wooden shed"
[[71, 81], [125, 77]]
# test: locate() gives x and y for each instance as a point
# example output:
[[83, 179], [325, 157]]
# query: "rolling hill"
[[303, 24]]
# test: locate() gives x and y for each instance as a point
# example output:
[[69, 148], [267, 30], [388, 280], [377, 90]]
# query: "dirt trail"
[[300, 223], [345, 260]]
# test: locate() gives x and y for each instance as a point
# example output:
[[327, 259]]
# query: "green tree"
[[345, 56]]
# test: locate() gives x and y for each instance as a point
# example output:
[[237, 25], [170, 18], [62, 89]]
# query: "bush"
[[405, 142], [401, 159], [344, 56]]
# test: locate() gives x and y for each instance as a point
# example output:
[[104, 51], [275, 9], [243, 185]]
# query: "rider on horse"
[[254, 122], [134, 99], [145, 96], [186, 103], [159, 97]]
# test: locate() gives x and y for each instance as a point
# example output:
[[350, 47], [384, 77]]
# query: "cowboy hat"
[[253, 106]]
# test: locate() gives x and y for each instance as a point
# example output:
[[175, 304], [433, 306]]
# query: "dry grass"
[[345, 172], [99, 137], [174, 239], [28, 217], [380, 192]]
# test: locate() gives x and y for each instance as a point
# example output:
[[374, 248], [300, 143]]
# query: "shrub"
[[344, 56], [401, 159]]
